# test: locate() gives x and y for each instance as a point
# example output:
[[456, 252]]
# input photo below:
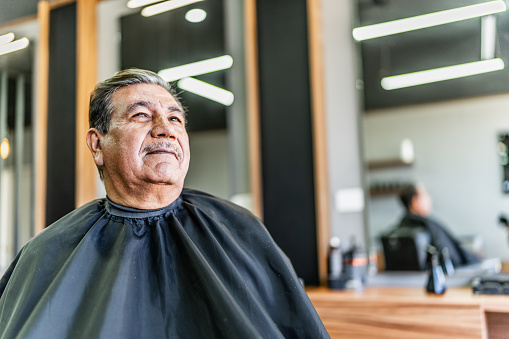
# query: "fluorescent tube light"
[[206, 90], [196, 68], [488, 37], [6, 38], [14, 46], [196, 15], [441, 74], [166, 6], [140, 3], [428, 20]]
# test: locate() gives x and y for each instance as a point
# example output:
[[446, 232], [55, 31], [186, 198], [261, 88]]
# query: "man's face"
[[422, 202], [147, 140]]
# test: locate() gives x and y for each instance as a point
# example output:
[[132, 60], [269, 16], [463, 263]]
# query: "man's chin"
[[165, 174]]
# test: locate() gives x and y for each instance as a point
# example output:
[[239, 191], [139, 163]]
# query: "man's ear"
[[94, 144]]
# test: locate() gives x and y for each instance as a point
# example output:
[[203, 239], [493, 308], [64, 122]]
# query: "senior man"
[[152, 260]]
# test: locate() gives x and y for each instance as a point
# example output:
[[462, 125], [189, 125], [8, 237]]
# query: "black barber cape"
[[198, 268]]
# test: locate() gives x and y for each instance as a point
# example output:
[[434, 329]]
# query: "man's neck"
[[148, 197], [417, 212]]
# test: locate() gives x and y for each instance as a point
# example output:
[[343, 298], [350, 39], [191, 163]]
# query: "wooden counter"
[[395, 312]]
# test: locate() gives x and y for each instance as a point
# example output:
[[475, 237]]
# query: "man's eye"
[[177, 119], [140, 115]]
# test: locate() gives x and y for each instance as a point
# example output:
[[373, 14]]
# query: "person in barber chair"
[[417, 203]]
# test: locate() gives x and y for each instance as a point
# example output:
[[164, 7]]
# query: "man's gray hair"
[[101, 108]]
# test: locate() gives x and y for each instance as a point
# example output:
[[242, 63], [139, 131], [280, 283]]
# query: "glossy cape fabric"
[[199, 268]]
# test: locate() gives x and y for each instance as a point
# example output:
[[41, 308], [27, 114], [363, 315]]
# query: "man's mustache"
[[168, 146]]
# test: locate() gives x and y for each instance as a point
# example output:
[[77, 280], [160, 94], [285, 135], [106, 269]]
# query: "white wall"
[[342, 114], [209, 169], [456, 158]]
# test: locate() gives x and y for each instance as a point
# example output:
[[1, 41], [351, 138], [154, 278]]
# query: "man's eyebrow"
[[137, 104], [174, 108], [150, 105]]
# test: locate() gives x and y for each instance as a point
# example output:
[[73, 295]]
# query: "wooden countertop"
[[395, 312]]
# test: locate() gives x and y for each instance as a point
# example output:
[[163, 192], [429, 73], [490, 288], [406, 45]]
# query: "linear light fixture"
[[6, 38], [166, 6], [140, 3], [488, 37], [441, 74], [206, 90], [14, 46], [428, 20], [196, 68]]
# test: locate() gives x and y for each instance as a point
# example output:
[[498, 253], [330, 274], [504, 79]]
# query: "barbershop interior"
[[371, 137]]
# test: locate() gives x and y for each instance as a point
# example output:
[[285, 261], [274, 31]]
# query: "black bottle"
[[436, 277], [446, 262]]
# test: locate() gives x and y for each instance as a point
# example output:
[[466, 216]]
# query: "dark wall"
[[61, 113], [286, 132]]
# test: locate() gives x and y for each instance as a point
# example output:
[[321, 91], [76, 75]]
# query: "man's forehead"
[[136, 91], [128, 97]]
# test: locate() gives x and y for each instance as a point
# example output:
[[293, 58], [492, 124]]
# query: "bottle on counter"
[[335, 264], [436, 278], [446, 262], [373, 261], [354, 267]]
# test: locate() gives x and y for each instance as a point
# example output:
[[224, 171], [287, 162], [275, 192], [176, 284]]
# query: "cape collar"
[[129, 212]]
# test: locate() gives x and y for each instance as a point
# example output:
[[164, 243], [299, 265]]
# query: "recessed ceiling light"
[[196, 15]]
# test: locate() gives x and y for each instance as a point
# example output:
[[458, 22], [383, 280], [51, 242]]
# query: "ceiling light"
[[196, 15], [206, 90], [5, 148], [441, 74], [166, 6], [139, 3], [488, 37], [197, 68], [428, 20], [6, 38], [14, 46]]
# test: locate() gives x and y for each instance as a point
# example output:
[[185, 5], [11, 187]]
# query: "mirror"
[[452, 125], [17, 114], [217, 131]]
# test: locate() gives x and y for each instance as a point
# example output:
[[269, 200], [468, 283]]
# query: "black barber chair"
[[405, 249]]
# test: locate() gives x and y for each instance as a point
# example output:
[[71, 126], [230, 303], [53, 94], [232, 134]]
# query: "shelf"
[[386, 191], [387, 163]]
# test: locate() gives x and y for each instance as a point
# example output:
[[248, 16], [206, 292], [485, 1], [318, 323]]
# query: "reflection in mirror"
[[453, 125], [217, 130], [17, 69]]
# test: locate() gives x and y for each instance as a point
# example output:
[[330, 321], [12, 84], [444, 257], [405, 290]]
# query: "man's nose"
[[162, 128]]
